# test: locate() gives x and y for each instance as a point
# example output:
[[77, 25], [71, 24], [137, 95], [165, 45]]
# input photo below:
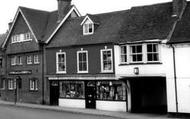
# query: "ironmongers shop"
[[96, 94]]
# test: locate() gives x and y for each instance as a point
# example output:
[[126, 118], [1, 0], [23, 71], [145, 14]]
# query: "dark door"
[[90, 94], [54, 92]]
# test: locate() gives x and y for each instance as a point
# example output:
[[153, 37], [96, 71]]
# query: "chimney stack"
[[63, 5], [178, 7]]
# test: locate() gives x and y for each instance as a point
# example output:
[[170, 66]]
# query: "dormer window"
[[88, 28]]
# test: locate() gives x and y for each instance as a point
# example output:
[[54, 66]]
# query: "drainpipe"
[[175, 78]]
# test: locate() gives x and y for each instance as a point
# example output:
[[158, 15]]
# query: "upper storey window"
[[21, 37], [106, 60], [88, 26]]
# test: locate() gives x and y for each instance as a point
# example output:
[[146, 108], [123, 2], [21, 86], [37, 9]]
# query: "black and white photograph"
[[95, 59]]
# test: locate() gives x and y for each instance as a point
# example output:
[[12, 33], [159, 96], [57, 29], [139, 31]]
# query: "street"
[[11, 112]]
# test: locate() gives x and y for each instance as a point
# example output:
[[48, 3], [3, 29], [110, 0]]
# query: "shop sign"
[[20, 72]]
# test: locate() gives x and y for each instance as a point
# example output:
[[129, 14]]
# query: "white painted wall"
[[74, 103], [183, 76], [111, 105], [164, 69]]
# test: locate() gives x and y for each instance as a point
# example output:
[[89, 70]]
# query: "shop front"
[[96, 94]]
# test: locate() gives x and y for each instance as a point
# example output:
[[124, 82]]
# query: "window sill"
[[104, 72], [72, 98], [147, 63], [110, 100], [33, 90]]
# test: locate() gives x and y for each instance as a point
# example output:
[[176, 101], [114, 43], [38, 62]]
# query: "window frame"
[[33, 84], [86, 28], [19, 59], [57, 63], [158, 52], [13, 60], [124, 54], [11, 84], [136, 54], [36, 59], [102, 61], [78, 62], [29, 59]]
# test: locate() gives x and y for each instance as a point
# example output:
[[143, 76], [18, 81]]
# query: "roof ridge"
[[28, 8]]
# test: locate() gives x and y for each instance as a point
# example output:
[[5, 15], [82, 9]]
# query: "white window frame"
[[78, 52], [27, 36], [102, 65], [29, 59], [11, 84], [86, 27], [36, 59], [19, 58], [57, 62], [131, 53], [13, 61], [158, 52], [125, 55], [33, 83]]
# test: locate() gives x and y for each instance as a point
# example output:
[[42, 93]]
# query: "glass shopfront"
[[72, 89], [111, 90]]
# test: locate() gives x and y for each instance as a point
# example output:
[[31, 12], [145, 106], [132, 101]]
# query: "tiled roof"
[[148, 23], [181, 33], [2, 38], [137, 24]]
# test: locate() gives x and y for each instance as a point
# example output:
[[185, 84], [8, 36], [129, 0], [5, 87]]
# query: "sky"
[[8, 8]]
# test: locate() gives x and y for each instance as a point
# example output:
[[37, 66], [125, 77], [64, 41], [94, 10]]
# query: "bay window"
[[136, 53], [152, 53]]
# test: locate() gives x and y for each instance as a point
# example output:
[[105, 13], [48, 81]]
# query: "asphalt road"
[[11, 112]]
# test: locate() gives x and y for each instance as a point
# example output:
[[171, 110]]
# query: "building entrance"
[[90, 94], [54, 92]]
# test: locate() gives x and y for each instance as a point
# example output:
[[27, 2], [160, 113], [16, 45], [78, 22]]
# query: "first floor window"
[[152, 52], [13, 60], [111, 90], [136, 53], [33, 84], [2, 83], [29, 59], [11, 84], [61, 62], [106, 60], [72, 89], [82, 60], [123, 54], [19, 60], [36, 59]]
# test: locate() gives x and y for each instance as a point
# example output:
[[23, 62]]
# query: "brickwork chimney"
[[63, 6], [178, 7]]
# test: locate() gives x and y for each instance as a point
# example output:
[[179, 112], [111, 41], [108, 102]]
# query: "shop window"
[[61, 62], [106, 60], [111, 90], [136, 53], [72, 89], [152, 53], [33, 84], [82, 61]]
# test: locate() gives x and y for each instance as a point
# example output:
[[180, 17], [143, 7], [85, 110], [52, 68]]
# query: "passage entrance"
[[54, 92], [148, 94], [90, 94]]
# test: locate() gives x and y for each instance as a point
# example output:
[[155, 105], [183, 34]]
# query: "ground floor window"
[[33, 84], [11, 84], [2, 84], [72, 89], [111, 90]]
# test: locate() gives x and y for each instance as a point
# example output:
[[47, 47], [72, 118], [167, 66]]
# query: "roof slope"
[[182, 31], [148, 23], [106, 31]]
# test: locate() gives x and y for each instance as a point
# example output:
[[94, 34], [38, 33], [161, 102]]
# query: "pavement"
[[118, 115]]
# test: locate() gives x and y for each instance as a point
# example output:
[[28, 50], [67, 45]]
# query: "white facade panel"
[[74, 103], [111, 105]]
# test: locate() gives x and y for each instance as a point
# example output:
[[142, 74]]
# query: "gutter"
[[175, 78]]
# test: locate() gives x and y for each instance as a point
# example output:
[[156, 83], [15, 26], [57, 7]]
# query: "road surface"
[[11, 112]]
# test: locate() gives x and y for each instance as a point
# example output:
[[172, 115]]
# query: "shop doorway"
[[90, 94], [54, 92], [148, 95]]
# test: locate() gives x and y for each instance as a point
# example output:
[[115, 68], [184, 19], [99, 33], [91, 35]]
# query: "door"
[[54, 92], [90, 94]]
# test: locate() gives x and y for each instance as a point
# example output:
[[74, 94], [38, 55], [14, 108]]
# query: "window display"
[[111, 90], [72, 89]]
